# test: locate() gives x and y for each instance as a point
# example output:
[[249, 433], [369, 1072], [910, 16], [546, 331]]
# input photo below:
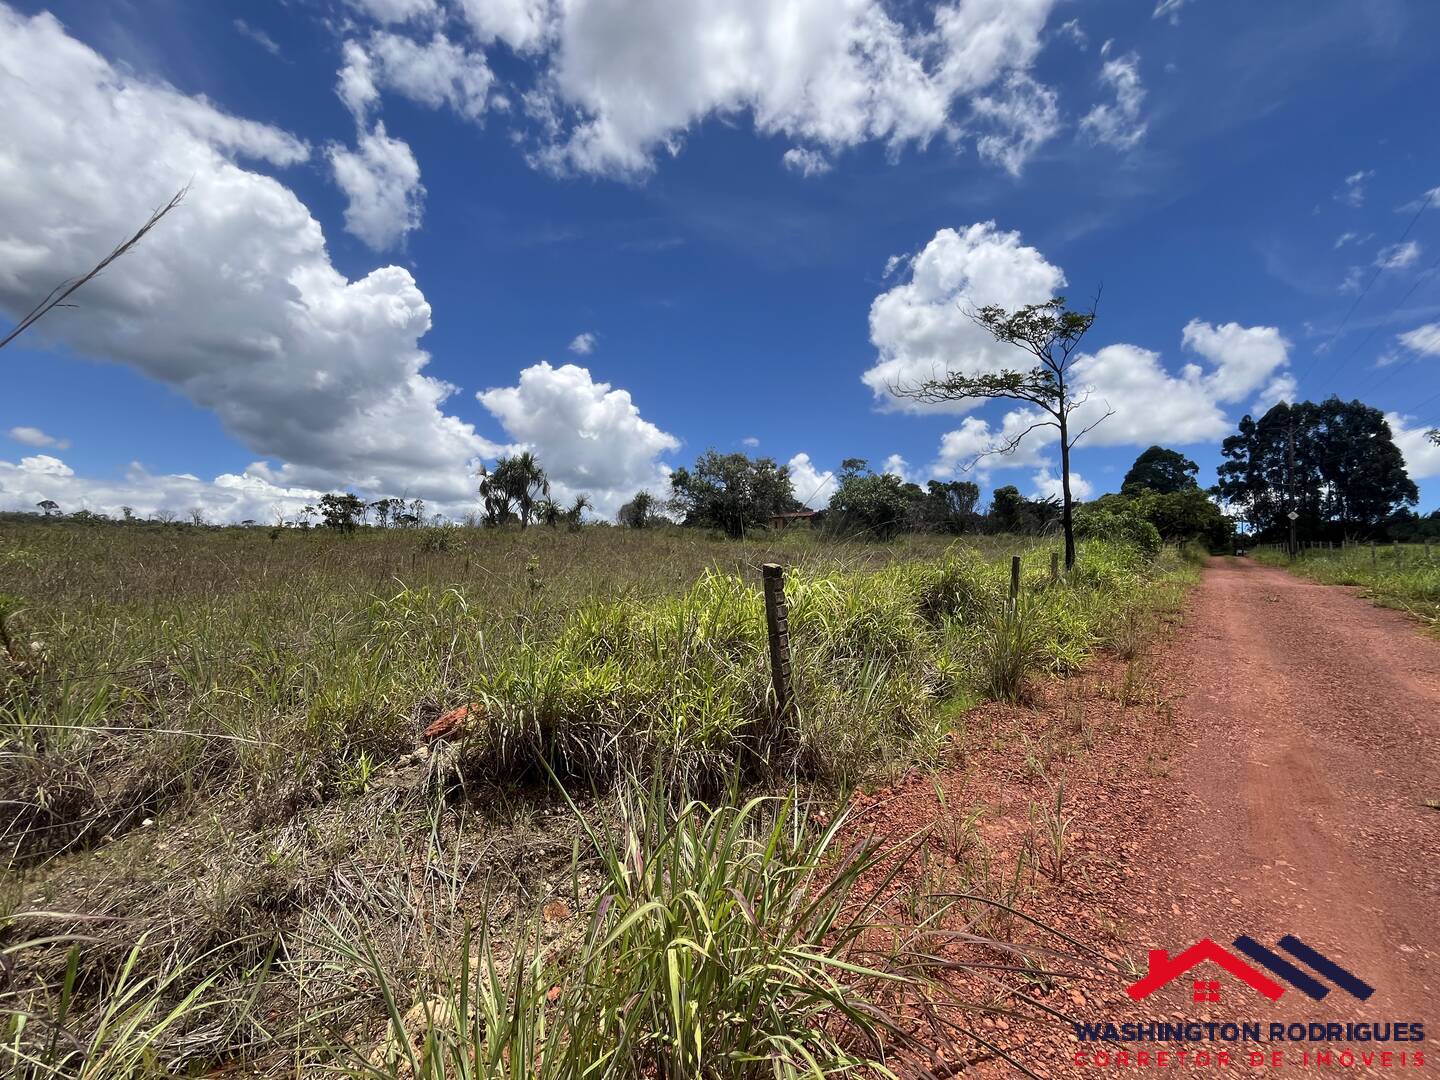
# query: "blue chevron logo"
[[1303, 981]]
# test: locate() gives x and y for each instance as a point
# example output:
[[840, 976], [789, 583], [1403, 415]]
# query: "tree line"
[[1334, 465]]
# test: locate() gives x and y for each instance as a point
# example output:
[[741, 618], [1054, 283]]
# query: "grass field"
[[1404, 576], [227, 840]]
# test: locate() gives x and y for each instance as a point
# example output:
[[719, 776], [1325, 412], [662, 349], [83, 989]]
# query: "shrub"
[[1120, 526]]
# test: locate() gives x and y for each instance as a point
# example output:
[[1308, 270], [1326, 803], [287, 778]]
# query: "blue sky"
[[747, 207]]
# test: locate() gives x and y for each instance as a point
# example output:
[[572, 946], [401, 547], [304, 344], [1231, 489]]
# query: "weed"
[[1011, 649]]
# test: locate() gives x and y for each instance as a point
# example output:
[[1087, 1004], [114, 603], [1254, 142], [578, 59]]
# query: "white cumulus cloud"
[[381, 182], [920, 327], [522, 24], [921, 331], [229, 497], [1422, 457], [232, 300], [583, 344], [624, 82], [812, 487], [1045, 484], [590, 438], [396, 11]]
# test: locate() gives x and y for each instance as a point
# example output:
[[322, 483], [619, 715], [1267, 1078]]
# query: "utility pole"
[[1290, 482]]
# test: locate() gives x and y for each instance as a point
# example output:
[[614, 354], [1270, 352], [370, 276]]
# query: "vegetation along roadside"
[[231, 839]]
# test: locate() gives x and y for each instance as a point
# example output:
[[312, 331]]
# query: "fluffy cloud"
[[1246, 359], [395, 11], [227, 498], [1023, 117], [522, 24], [920, 327], [583, 344], [1118, 124], [1422, 457], [625, 81], [975, 445], [1423, 339], [1152, 405], [33, 436], [232, 300], [381, 182], [1398, 256], [1046, 485], [921, 331], [895, 465], [812, 487], [590, 438], [435, 73], [806, 162]]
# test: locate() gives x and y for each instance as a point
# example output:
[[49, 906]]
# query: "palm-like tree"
[[518, 488]]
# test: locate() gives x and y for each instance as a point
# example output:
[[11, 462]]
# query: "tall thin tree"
[[1049, 332]]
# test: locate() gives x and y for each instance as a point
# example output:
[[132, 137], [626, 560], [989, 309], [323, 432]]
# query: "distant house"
[[797, 517]]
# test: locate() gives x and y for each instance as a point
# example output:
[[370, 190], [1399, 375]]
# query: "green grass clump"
[[723, 942]]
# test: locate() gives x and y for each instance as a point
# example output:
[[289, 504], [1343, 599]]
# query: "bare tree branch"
[[1109, 412], [58, 295]]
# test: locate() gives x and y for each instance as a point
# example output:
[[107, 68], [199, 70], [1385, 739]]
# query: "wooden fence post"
[[1054, 567], [1014, 579], [777, 622]]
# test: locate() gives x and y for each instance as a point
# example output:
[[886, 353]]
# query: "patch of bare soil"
[[1269, 769]]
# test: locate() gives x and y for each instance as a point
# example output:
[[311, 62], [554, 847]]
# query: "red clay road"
[[1313, 719]]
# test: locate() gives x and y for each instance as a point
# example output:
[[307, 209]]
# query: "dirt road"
[[1299, 806]]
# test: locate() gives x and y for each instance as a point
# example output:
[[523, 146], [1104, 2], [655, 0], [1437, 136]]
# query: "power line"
[[1419, 280], [1379, 268]]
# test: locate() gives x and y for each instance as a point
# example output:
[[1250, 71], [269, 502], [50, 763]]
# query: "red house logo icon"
[[1164, 969]]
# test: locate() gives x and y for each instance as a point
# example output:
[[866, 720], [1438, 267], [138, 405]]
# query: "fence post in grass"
[[1054, 567], [777, 622], [1014, 579]]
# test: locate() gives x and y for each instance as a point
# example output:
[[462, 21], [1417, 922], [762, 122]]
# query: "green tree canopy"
[[341, 511], [1160, 470], [1335, 464], [1011, 512], [731, 492], [514, 491], [639, 513], [873, 504]]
